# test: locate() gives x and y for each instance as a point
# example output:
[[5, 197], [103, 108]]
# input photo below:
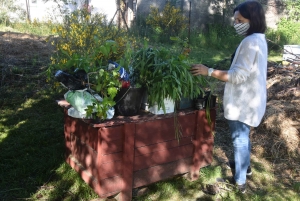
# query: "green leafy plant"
[[287, 31], [169, 22], [293, 9], [142, 66], [86, 43], [9, 7], [82, 38], [108, 85], [165, 75]]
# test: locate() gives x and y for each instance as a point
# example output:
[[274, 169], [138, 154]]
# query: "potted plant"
[[166, 78], [165, 75], [128, 99]]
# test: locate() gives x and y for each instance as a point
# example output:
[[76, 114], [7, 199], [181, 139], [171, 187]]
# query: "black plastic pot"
[[128, 101], [206, 101], [184, 103]]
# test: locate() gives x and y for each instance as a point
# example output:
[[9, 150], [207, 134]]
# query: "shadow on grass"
[[32, 151]]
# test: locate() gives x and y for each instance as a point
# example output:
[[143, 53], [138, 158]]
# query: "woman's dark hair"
[[253, 11]]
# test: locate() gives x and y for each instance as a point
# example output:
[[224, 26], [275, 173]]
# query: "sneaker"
[[241, 188], [231, 165]]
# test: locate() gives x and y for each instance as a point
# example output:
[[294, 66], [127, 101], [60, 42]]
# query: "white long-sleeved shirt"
[[245, 93]]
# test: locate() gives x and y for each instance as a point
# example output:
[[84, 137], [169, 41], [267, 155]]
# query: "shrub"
[[217, 36], [286, 33], [170, 22], [86, 42], [10, 12], [79, 39], [288, 27]]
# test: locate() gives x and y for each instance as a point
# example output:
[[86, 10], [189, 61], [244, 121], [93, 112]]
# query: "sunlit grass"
[[65, 184], [36, 28]]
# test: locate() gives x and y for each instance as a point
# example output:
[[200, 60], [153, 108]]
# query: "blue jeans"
[[242, 148]]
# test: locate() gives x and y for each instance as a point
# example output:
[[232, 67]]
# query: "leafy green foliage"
[[165, 75], [293, 9], [217, 36], [286, 33], [169, 22], [86, 42], [288, 27], [8, 7]]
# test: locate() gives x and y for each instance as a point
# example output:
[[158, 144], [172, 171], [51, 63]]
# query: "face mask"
[[241, 28]]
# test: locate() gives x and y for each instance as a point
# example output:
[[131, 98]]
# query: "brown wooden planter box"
[[124, 153]]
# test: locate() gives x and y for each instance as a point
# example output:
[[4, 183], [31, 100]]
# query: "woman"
[[245, 93]]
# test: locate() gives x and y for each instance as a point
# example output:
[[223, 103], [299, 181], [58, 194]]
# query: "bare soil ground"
[[23, 61], [276, 142], [19, 50]]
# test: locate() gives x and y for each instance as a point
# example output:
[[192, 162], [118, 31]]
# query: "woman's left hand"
[[199, 69]]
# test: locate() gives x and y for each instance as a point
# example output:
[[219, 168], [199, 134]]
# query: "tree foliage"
[[10, 11], [293, 9], [168, 22]]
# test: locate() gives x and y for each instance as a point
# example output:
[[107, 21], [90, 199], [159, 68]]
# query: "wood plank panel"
[[203, 143], [107, 158], [109, 147], [68, 145], [111, 139], [107, 170], [160, 172], [82, 130], [104, 187], [85, 154], [86, 133], [163, 156], [161, 130], [69, 123], [128, 161], [153, 132], [162, 146], [188, 123], [111, 133], [110, 185], [205, 129]]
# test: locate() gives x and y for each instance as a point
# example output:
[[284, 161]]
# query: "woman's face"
[[238, 18]]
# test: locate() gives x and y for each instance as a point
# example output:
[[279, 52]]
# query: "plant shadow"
[[32, 150]]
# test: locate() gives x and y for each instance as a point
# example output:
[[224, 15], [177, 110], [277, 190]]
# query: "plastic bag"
[[80, 99]]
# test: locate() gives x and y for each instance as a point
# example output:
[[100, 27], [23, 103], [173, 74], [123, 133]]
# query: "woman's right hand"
[[199, 69]]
